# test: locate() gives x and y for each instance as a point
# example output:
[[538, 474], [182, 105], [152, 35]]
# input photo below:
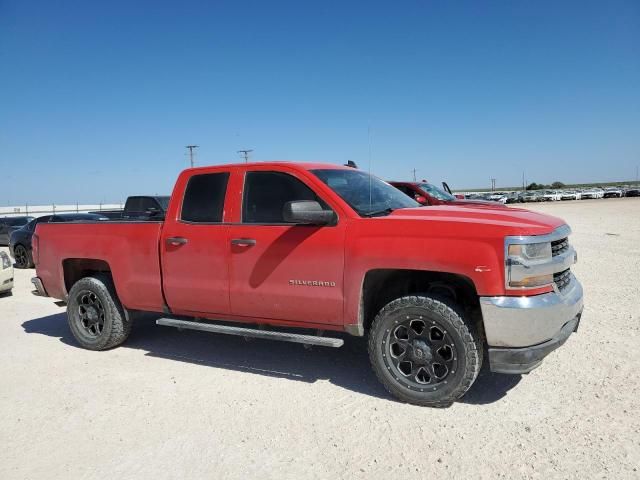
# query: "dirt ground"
[[172, 404]]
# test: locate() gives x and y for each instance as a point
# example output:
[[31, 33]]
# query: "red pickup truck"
[[426, 193], [326, 248]]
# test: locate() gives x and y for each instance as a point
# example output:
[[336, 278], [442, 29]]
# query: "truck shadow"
[[347, 367]]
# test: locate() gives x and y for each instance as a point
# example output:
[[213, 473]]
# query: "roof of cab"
[[302, 165]]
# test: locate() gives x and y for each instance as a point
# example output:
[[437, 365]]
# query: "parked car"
[[6, 273], [20, 241], [612, 192], [570, 195], [632, 192], [139, 207], [428, 194], [514, 197], [329, 248], [497, 196], [9, 224], [592, 193], [531, 196], [551, 195]]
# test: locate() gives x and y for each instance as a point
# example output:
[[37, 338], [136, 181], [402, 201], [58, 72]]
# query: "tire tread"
[[120, 321], [467, 333]]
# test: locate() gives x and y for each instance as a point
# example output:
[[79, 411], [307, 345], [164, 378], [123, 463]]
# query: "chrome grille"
[[559, 246], [562, 279]]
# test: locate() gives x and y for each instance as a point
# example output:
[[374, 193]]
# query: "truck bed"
[[128, 248]]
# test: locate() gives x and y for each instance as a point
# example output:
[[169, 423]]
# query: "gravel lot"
[[174, 404]]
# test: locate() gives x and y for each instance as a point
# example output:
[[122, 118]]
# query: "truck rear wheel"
[[95, 315], [423, 351]]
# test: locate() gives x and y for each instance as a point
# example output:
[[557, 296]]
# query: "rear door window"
[[204, 198]]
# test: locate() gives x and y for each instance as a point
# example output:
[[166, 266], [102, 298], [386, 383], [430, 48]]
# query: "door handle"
[[243, 242], [176, 241]]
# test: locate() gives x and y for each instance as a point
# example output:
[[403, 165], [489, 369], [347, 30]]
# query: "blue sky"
[[98, 99]]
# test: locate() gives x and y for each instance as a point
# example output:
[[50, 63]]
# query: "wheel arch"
[[381, 286], [74, 269]]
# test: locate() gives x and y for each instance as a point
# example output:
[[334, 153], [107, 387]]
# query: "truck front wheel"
[[423, 351], [95, 315]]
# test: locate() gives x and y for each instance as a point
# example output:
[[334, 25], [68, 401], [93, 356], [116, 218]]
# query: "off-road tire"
[[116, 324], [466, 349]]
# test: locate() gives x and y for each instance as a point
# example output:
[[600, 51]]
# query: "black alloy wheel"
[[421, 352], [425, 350], [22, 257], [91, 313]]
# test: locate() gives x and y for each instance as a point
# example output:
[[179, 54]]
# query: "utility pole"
[[245, 154], [414, 174], [493, 184], [191, 147]]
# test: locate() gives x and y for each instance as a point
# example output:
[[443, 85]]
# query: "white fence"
[[38, 210]]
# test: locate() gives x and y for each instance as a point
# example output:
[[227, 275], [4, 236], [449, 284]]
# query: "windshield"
[[164, 202], [436, 192], [366, 194]]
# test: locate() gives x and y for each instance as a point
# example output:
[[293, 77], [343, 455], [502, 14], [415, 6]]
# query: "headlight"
[[531, 251], [525, 256], [6, 262]]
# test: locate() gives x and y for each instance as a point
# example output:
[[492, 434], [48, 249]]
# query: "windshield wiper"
[[378, 213]]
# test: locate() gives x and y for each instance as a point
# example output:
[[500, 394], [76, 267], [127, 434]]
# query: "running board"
[[252, 332]]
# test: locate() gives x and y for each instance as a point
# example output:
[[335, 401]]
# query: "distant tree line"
[[542, 186]]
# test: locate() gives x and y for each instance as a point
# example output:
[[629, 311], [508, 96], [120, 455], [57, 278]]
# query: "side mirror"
[[307, 212], [422, 199]]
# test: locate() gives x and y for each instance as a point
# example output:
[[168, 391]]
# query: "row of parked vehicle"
[[556, 195]]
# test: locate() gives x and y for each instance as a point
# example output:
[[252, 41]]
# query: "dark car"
[[20, 240], [9, 224], [428, 194], [514, 198], [140, 207], [632, 192]]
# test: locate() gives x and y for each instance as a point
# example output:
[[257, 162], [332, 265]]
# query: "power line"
[[191, 147], [245, 154]]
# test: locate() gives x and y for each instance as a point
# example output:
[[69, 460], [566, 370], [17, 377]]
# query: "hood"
[[518, 221]]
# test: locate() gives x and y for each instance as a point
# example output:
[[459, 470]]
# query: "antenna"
[[369, 140], [245, 154], [191, 147]]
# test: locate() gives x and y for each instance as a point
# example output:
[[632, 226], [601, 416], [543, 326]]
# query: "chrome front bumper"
[[521, 331]]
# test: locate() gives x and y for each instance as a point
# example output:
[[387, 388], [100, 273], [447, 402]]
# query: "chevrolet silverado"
[[289, 251]]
